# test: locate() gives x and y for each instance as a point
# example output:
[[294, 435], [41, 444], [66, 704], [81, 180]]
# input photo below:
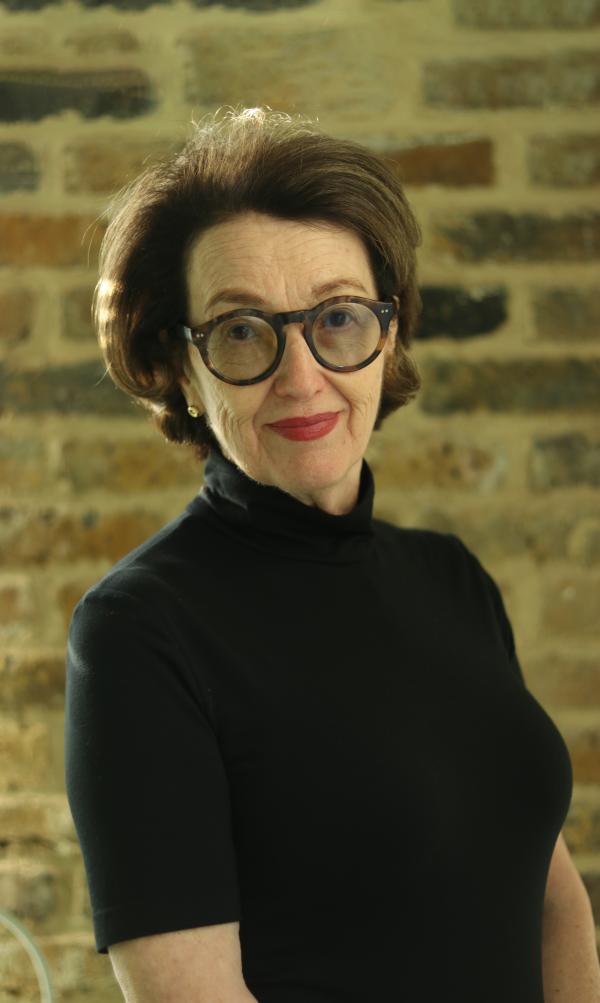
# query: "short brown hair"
[[251, 159]]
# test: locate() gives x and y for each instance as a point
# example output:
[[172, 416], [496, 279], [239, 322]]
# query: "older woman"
[[300, 755]]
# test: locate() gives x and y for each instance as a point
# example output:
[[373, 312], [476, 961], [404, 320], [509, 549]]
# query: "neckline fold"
[[265, 517]]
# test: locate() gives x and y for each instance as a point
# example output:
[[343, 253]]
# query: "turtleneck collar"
[[267, 518]]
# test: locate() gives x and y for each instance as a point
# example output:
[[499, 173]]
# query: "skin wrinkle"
[[283, 260]]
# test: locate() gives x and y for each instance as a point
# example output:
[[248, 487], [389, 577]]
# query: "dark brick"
[[21, 5], [83, 388], [105, 166], [525, 386], [18, 168], [452, 312], [17, 310], [77, 316], [563, 461], [527, 13], [444, 160], [567, 314], [31, 239], [501, 236], [255, 5], [565, 78], [565, 161], [32, 94]]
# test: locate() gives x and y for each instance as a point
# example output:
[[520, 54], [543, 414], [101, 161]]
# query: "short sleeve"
[[494, 596], [145, 780]]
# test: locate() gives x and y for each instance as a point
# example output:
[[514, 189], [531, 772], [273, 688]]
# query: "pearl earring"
[[193, 411]]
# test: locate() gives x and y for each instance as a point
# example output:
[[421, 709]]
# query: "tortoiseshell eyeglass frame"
[[384, 310]]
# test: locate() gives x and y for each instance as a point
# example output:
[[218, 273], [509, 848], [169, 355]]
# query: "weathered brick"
[[82, 388], [95, 41], [27, 888], [21, 5], [582, 738], [57, 241], [123, 4], [139, 465], [32, 94], [583, 822], [32, 679], [12, 604], [40, 537], [565, 78], [25, 755], [444, 160], [562, 680], [456, 312], [254, 5], [106, 166], [23, 463], [17, 311], [570, 607], [567, 314], [502, 236], [438, 463], [19, 169], [565, 161], [563, 461], [526, 386], [527, 13], [77, 315]]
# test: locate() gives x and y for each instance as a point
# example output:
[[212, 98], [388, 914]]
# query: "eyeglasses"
[[245, 346]]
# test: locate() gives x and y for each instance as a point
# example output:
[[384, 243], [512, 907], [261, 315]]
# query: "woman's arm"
[[570, 966]]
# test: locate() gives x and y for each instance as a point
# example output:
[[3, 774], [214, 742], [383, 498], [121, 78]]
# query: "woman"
[[300, 755]]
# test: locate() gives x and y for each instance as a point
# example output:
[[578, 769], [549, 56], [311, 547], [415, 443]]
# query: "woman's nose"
[[298, 364]]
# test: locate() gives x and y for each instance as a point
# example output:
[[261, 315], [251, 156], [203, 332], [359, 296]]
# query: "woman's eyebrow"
[[246, 298]]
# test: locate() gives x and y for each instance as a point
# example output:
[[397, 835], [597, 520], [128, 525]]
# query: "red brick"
[[104, 166], [448, 160], [57, 241]]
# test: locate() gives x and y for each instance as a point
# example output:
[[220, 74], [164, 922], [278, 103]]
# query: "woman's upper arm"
[[200, 965]]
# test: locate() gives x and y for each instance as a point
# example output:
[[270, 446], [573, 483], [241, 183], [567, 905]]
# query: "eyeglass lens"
[[242, 348]]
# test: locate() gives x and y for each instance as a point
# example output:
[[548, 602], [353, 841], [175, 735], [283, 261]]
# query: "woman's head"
[[269, 204]]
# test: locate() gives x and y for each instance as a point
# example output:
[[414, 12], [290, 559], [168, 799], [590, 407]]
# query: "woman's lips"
[[304, 431], [312, 419]]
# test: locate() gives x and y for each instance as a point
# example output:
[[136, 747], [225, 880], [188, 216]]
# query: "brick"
[[27, 819], [527, 13], [365, 77], [27, 888], [561, 680], [83, 388], [123, 4], [139, 465], [21, 5], [501, 236], [41, 537], [102, 167], [569, 78], [565, 161], [582, 738], [11, 604], [255, 5], [32, 679], [455, 312], [524, 386], [570, 607], [32, 94], [77, 314], [23, 463], [17, 313], [446, 160], [19, 170], [583, 822], [25, 755], [440, 463], [56, 241], [563, 461], [567, 314], [96, 41]]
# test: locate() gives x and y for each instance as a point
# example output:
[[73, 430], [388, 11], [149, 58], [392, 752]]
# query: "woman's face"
[[280, 262]]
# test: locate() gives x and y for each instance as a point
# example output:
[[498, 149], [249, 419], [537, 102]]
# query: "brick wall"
[[490, 111]]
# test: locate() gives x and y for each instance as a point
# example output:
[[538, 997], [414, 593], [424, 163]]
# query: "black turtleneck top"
[[316, 725]]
